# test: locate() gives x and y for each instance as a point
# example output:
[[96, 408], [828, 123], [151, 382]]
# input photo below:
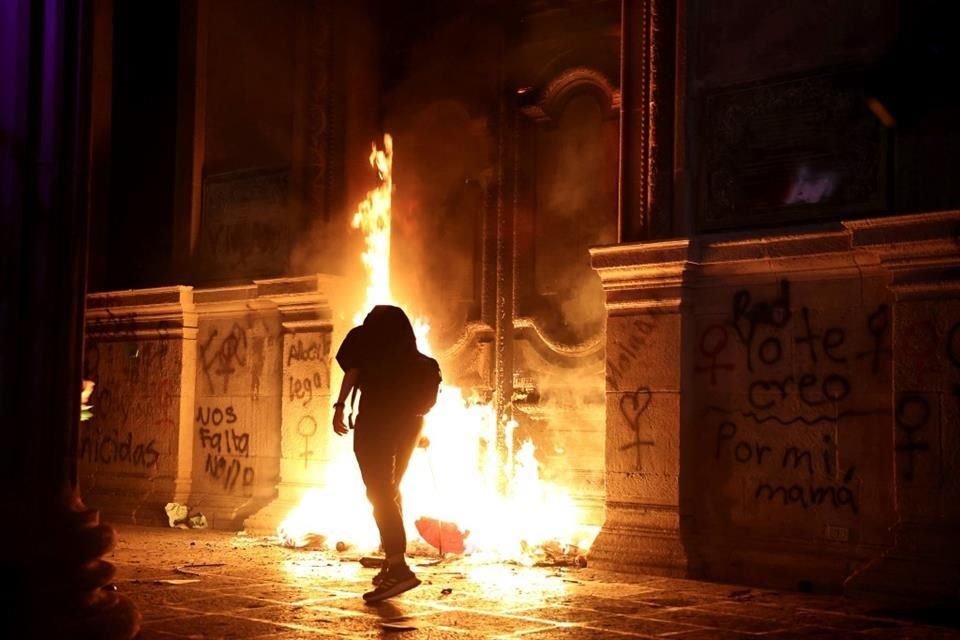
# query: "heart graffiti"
[[632, 407]]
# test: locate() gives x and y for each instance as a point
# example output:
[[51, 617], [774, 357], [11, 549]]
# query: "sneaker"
[[377, 579], [394, 582]]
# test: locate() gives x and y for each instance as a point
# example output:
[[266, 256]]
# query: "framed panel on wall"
[[789, 151], [778, 131], [245, 227]]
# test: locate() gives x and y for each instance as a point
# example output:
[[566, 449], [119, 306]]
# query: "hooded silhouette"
[[395, 379], [397, 385]]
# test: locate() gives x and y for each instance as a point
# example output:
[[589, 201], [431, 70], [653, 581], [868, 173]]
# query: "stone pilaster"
[[922, 257], [306, 332], [645, 327], [135, 454], [236, 436]]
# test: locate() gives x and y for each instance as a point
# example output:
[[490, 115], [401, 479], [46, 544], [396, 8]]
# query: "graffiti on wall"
[[622, 361], [912, 416], [624, 367], [306, 382], [136, 397], [812, 465], [237, 360], [792, 377], [713, 342], [306, 429], [225, 447], [632, 406], [220, 356], [927, 346], [111, 447]]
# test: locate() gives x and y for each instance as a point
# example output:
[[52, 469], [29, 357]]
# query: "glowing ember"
[[459, 490]]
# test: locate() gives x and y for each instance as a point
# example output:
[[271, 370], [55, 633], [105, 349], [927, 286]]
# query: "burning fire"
[[373, 219], [459, 491]]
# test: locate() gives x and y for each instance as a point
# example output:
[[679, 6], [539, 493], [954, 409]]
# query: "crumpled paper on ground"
[[180, 517]]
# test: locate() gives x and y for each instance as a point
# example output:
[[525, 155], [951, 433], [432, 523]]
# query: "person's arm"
[[350, 378]]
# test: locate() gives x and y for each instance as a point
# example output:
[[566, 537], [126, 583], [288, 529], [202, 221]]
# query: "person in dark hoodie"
[[397, 386]]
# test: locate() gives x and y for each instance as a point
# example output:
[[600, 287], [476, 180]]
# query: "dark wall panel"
[[139, 237]]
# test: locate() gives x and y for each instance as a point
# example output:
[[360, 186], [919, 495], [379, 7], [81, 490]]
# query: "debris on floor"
[[371, 562], [446, 537], [556, 554], [186, 569], [180, 517], [270, 591]]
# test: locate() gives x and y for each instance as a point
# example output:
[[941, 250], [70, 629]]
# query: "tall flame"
[[457, 478], [372, 217]]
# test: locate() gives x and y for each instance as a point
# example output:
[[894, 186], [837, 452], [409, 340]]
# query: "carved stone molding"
[[551, 100], [647, 276], [528, 329], [648, 81]]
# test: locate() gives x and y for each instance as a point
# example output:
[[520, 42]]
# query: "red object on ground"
[[444, 536]]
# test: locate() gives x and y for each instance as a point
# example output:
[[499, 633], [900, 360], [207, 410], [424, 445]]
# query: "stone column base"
[[923, 566], [129, 504], [228, 513], [631, 541], [266, 521]]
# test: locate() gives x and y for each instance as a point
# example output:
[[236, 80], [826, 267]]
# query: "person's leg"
[[375, 458], [407, 437], [405, 441], [376, 455], [402, 439]]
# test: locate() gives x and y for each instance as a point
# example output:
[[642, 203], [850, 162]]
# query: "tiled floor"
[[207, 584]]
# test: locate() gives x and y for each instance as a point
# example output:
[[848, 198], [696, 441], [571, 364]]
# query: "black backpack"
[[423, 384], [412, 377], [416, 388]]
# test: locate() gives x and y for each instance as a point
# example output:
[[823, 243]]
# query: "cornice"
[[158, 312], [918, 252]]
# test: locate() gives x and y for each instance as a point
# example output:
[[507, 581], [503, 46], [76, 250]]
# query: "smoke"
[[576, 209], [566, 420], [440, 204], [576, 198], [445, 167], [444, 175]]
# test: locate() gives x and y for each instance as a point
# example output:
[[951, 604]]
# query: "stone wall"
[[303, 377], [782, 409], [141, 353], [791, 388], [192, 392], [236, 403]]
